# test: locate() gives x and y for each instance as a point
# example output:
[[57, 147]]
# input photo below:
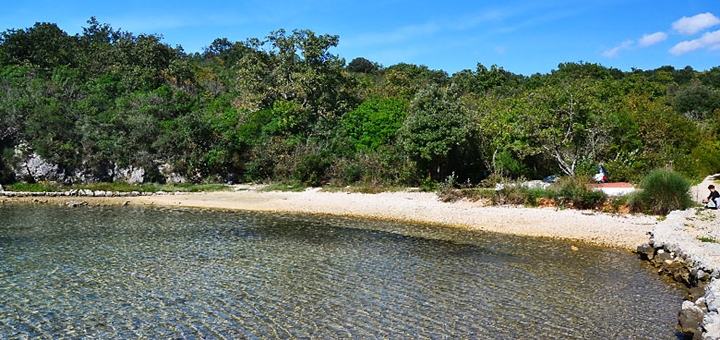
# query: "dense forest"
[[97, 105]]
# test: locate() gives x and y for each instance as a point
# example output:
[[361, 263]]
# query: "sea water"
[[127, 272]]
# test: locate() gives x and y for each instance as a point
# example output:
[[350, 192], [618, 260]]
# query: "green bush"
[[533, 196], [373, 169], [292, 186], [33, 187], [705, 159], [446, 190], [662, 191], [428, 184], [512, 192], [492, 180], [574, 192], [567, 193]]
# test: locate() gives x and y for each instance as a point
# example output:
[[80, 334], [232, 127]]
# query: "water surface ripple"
[[122, 272]]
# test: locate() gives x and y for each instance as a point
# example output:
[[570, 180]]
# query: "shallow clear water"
[[123, 272]]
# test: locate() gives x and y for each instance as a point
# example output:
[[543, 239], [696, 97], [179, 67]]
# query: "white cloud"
[[472, 21], [695, 23], [652, 39], [504, 20], [500, 49], [400, 34], [613, 52], [710, 40]]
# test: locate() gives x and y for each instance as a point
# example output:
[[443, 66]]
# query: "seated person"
[[711, 201]]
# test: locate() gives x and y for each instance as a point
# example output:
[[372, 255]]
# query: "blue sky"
[[523, 37]]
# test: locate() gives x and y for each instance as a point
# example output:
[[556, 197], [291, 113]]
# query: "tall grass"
[[291, 186], [662, 191], [33, 187], [567, 193], [574, 192]]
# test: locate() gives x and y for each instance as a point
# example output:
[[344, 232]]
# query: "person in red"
[[711, 202]]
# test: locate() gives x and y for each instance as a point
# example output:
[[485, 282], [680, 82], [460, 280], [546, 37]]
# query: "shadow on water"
[[119, 272]]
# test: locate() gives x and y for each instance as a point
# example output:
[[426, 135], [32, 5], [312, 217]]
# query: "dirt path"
[[700, 191]]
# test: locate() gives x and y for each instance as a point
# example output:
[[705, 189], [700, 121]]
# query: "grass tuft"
[[661, 191], [285, 186]]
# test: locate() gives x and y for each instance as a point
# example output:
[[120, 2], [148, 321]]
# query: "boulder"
[[711, 326], [689, 317], [75, 204], [32, 166], [646, 250], [662, 256], [167, 171], [712, 296], [130, 175], [678, 271], [696, 294], [702, 275]]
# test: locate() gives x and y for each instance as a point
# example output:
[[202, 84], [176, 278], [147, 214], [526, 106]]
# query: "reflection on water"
[[111, 272]]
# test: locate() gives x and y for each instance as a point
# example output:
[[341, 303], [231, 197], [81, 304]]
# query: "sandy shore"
[[613, 230]]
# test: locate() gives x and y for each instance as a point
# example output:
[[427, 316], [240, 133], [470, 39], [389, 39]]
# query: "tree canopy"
[[284, 107]]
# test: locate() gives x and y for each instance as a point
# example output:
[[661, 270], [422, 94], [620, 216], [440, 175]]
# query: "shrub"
[[371, 168], [34, 187], [292, 186], [428, 184], [492, 180], [511, 193], [567, 193], [447, 191], [574, 192], [662, 191], [533, 196]]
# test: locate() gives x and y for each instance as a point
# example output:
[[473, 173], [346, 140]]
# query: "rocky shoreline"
[[685, 247], [82, 193]]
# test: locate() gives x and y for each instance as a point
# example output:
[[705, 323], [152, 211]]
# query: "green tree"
[[44, 45], [16, 101], [697, 101], [405, 80], [484, 80], [296, 68], [569, 123], [362, 65], [436, 127], [504, 137], [666, 136], [375, 122]]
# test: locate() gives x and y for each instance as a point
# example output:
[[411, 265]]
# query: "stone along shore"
[[685, 246]]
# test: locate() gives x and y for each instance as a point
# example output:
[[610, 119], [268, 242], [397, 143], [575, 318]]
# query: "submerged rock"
[[696, 293], [662, 256], [646, 250], [74, 203], [678, 271], [690, 317]]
